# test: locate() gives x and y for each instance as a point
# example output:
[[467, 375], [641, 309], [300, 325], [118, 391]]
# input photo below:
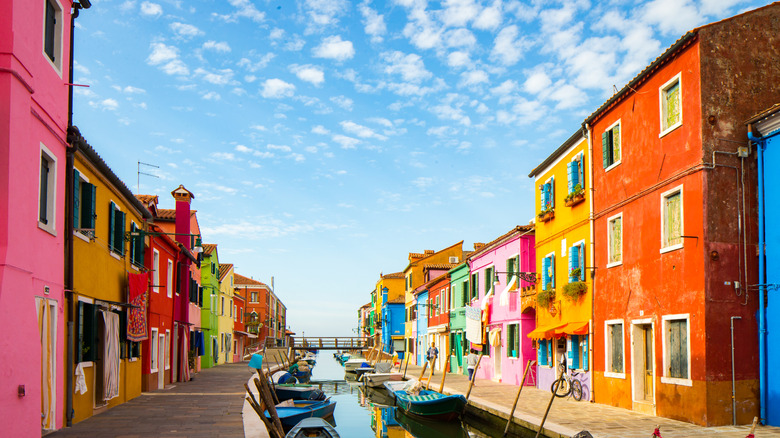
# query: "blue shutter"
[[575, 352], [92, 203], [574, 261], [575, 172], [545, 196], [582, 261], [539, 353], [552, 192], [76, 199], [585, 341], [552, 270], [570, 352], [111, 226], [545, 272], [570, 175], [120, 236], [581, 170]]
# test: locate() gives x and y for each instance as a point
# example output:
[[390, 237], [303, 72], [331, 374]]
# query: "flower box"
[[547, 215], [574, 198]]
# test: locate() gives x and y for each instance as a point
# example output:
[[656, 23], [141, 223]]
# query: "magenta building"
[[34, 66], [496, 289]]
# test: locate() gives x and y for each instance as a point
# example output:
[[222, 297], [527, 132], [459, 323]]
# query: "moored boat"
[[431, 404], [298, 392], [312, 427], [353, 364], [291, 415], [376, 380]]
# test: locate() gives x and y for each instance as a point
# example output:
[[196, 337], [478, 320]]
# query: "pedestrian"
[[433, 353], [471, 363]]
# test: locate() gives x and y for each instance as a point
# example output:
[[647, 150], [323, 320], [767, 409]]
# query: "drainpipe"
[[733, 380], [760, 145], [591, 257]]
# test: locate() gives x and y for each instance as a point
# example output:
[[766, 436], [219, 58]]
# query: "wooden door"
[[647, 337]]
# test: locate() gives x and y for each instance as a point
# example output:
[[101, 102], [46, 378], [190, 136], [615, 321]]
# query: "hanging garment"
[[184, 363], [81, 380], [137, 327], [111, 356], [201, 343], [495, 337], [44, 328], [503, 299]]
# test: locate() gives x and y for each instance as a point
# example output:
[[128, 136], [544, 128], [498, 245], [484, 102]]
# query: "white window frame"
[[666, 354], [664, 195], [622, 238], [662, 104], [51, 191], [169, 280], [617, 162], [167, 355], [58, 36], [608, 348], [154, 353], [155, 271]]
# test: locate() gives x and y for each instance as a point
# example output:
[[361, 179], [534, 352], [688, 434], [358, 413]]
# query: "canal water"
[[367, 412]]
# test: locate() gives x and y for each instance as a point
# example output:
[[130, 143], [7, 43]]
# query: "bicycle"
[[566, 384]]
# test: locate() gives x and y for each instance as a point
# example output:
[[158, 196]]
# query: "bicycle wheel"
[[560, 387], [576, 389]]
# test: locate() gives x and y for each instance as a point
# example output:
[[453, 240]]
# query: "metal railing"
[[331, 343]]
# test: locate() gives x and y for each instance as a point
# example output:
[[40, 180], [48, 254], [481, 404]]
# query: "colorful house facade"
[[459, 298], [439, 315], [225, 313], [495, 287], [390, 288], [564, 292], [256, 313], [675, 230], [241, 337], [34, 61], [209, 317], [106, 257]]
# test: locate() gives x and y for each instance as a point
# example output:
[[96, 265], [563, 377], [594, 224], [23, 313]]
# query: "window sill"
[[575, 199], [547, 216], [670, 129], [153, 370], [613, 264], [115, 255], [612, 166], [615, 375], [48, 228], [676, 381], [86, 364], [133, 267], [81, 236], [671, 248], [133, 359]]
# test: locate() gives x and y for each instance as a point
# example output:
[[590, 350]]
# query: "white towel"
[[503, 299], [81, 380]]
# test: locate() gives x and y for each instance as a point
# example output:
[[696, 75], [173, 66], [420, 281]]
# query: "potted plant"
[[574, 289], [547, 214], [575, 273], [545, 298], [575, 197]]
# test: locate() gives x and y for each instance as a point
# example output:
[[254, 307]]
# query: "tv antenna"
[[138, 182]]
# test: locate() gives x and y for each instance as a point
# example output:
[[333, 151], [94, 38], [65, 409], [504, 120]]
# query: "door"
[[161, 365], [459, 350], [647, 338], [47, 326], [498, 351]]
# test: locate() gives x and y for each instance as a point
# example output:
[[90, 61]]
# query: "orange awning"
[[544, 332], [573, 328]]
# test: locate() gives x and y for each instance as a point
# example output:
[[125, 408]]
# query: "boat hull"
[[290, 416], [312, 427], [431, 404]]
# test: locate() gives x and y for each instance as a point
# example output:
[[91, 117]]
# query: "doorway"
[[47, 327], [161, 361], [643, 366]]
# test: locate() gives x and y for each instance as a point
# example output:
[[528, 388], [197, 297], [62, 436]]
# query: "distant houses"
[[650, 259]]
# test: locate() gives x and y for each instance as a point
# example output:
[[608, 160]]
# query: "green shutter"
[[91, 205], [119, 230], [605, 148], [76, 199], [111, 226]]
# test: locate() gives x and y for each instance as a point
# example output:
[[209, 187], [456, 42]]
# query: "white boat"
[[351, 365], [375, 380]]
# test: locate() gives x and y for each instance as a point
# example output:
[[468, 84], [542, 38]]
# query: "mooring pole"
[[474, 376], [444, 373], [517, 397], [406, 366], [549, 405], [425, 367]]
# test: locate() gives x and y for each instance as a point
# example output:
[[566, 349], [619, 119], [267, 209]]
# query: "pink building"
[[34, 65], [498, 289]]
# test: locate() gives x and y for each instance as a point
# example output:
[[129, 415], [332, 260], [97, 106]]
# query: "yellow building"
[[564, 260], [225, 313], [413, 278], [105, 212]]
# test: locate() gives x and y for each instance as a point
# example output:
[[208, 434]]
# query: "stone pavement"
[[567, 416], [210, 405]]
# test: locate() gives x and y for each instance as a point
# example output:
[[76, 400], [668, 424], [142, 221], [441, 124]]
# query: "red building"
[[438, 310], [674, 229], [257, 313]]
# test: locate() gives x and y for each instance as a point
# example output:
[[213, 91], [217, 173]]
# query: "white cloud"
[[459, 12], [410, 67], [333, 47], [458, 59], [229, 156], [220, 77], [167, 57], [185, 30], [423, 182], [325, 12], [360, 130], [127, 6], [129, 89], [258, 128], [258, 64], [105, 104], [245, 9], [309, 73], [474, 77], [211, 95], [568, 96], [277, 88], [281, 148], [343, 102], [507, 48], [672, 16], [297, 157], [374, 24], [295, 44], [243, 149], [319, 129], [346, 142], [221, 46], [276, 33], [381, 121], [176, 67], [151, 9], [506, 87], [537, 82], [461, 37], [490, 17]]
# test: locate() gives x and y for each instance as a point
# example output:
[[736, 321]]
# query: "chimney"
[[478, 246], [183, 198], [413, 256], [429, 252]]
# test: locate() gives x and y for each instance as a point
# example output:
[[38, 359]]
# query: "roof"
[[169, 214], [394, 275], [208, 248], [524, 229], [558, 152], [75, 138], [240, 279], [147, 198], [224, 268], [765, 113], [364, 306], [425, 256], [397, 300], [446, 266]]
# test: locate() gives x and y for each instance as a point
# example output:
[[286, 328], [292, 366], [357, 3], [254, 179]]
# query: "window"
[[254, 297], [614, 350], [222, 307], [547, 197], [677, 364], [465, 291], [474, 292], [513, 340], [231, 312], [512, 268], [548, 272], [610, 146], [575, 175], [544, 352], [47, 191], [116, 230], [577, 352], [167, 355], [136, 245], [156, 271], [615, 236], [672, 223], [155, 352], [671, 106], [87, 332], [169, 282], [489, 279], [52, 37], [577, 262], [84, 195]]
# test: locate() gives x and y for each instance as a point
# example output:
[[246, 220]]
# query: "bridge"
[[332, 343]]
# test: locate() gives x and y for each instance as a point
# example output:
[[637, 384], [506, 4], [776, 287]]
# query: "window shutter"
[[570, 352], [605, 148], [91, 204], [76, 199], [119, 240], [575, 174], [43, 204], [51, 20], [111, 226], [545, 272], [570, 175], [585, 353], [552, 270], [582, 261], [552, 192], [574, 262], [616, 143], [581, 170]]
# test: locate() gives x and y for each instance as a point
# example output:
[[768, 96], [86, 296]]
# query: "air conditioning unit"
[[453, 259]]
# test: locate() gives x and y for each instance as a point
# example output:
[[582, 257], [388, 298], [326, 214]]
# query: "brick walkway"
[[567, 416]]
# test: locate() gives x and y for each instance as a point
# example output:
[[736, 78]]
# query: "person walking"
[[433, 353], [471, 363]]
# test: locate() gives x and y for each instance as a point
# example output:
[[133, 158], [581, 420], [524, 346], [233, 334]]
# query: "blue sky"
[[324, 140]]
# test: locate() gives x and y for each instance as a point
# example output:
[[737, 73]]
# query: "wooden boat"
[[377, 380], [292, 415], [393, 385], [378, 397], [351, 365], [312, 427], [297, 392], [418, 426], [363, 370], [431, 404], [283, 377]]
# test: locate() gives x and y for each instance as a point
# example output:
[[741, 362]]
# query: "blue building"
[[422, 324], [764, 132], [393, 318]]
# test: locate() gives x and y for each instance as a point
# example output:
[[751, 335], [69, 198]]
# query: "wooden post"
[[517, 397], [444, 373], [430, 377], [474, 376], [269, 424], [753, 427], [273, 386], [425, 367], [262, 388], [549, 405], [406, 366]]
